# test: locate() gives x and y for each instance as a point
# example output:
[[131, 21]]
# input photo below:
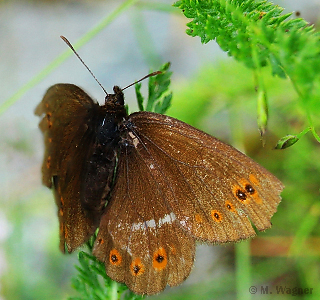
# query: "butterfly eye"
[[118, 95]]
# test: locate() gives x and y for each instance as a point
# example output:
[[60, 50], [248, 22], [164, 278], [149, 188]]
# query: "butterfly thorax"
[[101, 161], [111, 116]]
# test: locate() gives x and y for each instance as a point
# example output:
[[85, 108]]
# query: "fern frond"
[[241, 27], [257, 34]]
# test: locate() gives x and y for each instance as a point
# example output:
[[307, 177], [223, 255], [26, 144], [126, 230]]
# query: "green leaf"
[[158, 85], [140, 98], [159, 97], [162, 107]]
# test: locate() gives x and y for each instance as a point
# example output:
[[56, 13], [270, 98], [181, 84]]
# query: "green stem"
[[243, 270], [316, 136], [114, 291], [303, 132], [304, 101]]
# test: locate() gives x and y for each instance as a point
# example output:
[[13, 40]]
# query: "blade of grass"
[[243, 270], [305, 230], [62, 57]]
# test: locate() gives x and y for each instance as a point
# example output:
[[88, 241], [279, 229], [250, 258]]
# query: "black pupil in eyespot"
[[241, 195], [136, 269], [250, 189], [159, 258], [114, 258]]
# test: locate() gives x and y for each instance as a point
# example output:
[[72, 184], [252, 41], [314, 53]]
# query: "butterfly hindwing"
[[139, 239]]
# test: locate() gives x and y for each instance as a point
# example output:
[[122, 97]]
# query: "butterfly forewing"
[[212, 188], [68, 127]]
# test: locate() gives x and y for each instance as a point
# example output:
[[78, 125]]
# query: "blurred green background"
[[210, 91]]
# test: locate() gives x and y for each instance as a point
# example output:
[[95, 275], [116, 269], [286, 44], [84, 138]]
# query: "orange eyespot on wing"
[[136, 267], [115, 258], [230, 207], [160, 259], [216, 215]]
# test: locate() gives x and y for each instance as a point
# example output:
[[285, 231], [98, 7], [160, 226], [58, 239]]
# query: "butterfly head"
[[115, 99]]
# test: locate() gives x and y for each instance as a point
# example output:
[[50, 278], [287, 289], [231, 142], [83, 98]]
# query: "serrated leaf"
[[139, 96], [158, 98], [158, 85], [162, 106]]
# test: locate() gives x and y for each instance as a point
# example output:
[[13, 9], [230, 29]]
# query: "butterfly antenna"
[[143, 78], [75, 52]]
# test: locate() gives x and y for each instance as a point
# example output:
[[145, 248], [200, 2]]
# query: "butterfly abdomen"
[[101, 162]]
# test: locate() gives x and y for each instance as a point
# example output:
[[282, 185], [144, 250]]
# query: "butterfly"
[[152, 184]]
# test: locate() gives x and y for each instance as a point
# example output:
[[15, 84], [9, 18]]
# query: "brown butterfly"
[[152, 184]]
